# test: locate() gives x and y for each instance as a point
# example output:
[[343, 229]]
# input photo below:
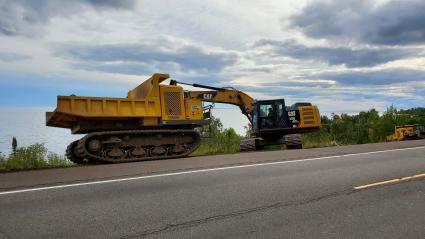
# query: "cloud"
[[11, 57], [396, 22], [149, 56], [26, 17], [127, 68], [126, 4], [309, 84], [379, 77], [362, 57]]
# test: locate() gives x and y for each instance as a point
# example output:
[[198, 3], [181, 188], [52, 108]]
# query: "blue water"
[[28, 126]]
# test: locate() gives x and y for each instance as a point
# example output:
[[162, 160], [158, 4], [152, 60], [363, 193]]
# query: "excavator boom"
[[222, 95]]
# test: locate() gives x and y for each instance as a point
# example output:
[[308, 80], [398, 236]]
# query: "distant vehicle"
[[407, 132], [158, 121]]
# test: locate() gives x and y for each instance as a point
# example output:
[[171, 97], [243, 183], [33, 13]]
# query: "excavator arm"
[[223, 95]]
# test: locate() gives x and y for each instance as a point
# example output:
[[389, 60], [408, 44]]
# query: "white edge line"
[[199, 171]]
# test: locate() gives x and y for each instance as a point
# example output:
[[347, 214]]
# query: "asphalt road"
[[290, 197]]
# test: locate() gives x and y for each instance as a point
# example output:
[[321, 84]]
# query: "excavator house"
[[159, 121]]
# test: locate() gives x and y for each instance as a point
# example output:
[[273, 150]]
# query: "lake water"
[[28, 126]]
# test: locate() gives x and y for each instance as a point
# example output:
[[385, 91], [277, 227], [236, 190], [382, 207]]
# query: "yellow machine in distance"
[[157, 121], [407, 132]]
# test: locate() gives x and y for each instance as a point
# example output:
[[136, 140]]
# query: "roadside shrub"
[[218, 140], [2, 161], [317, 140], [27, 157], [34, 156], [57, 160]]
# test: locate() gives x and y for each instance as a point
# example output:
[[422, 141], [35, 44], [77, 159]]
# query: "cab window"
[[266, 110]]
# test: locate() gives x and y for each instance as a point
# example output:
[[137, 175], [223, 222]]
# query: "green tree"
[[14, 144]]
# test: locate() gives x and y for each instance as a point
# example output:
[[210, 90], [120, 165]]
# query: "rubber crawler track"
[[77, 152]]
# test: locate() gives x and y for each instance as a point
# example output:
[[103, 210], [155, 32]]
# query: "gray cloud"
[[11, 57], [297, 84], [363, 57], [281, 90], [127, 4], [382, 77], [396, 22], [25, 17], [145, 57], [128, 68]]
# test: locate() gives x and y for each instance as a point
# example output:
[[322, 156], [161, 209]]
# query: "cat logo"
[[207, 96], [291, 113]]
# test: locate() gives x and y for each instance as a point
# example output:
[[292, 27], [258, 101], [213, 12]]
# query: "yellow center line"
[[396, 180]]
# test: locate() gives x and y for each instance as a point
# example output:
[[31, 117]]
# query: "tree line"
[[362, 128], [337, 129]]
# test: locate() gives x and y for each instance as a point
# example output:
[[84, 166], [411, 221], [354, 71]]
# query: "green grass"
[[35, 156], [317, 140]]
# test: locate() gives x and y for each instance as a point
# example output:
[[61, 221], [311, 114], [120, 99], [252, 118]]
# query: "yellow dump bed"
[[70, 108], [143, 102], [149, 104]]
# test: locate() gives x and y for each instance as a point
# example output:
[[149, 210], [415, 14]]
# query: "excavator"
[[160, 121]]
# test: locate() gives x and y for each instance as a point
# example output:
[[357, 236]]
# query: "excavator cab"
[[269, 114]]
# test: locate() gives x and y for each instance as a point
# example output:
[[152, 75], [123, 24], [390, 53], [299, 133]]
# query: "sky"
[[344, 56]]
